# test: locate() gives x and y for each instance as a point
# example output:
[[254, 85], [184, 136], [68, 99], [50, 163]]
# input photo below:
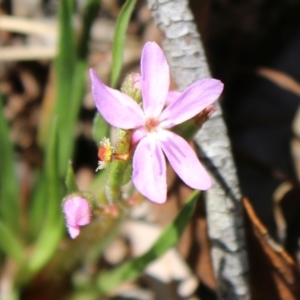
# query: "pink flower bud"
[[78, 213]]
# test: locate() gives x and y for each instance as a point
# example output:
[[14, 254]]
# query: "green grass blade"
[[71, 68], [68, 120], [119, 40], [52, 229], [38, 207], [66, 57], [52, 175], [90, 13], [10, 245], [107, 281], [64, 72], [9, 186]]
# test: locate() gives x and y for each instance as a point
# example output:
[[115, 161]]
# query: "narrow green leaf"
[[64, 72], [90, 13], [10, 245], [52, 229], [45, 247], [38, 207], [9, 186], [68, 118], [71, 69], [52, 175], [66, 46], [119, 40], [70, 179], [107, 281], [76, 95], [66, 57]]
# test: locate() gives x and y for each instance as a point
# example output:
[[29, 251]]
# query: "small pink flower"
[[151, 124], [78, 213]]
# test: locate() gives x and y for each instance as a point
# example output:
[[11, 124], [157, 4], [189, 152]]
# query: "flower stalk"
[[119, 170]]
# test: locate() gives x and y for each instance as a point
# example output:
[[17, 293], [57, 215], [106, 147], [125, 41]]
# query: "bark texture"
[[187, 59]]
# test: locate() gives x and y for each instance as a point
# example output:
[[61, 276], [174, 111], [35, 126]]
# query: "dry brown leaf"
[[281, 79], [273, 273]]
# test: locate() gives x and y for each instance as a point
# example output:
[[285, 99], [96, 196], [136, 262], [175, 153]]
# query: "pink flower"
[[78, 213], [151, 124], [172, 96]]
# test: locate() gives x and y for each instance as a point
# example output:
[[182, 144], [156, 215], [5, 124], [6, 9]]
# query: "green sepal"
[[129, 89]]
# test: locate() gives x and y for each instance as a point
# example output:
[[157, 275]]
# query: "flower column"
[[149, 124]]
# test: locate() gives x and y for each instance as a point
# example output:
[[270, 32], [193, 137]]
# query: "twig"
[[27, 53], [26, 26]]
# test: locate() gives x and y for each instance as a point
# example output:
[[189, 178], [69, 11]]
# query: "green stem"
[[119, 170]]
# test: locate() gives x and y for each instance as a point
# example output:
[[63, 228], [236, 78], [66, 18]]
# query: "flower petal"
[[70, 211], [172, 96], [138, 134], [73, 231], [149, 170], [192, 101], [83, 216], [155, 79], [184, 161], [77, 211], [118, 109]]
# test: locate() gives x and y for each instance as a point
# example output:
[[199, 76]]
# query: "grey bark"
[[183, 47]]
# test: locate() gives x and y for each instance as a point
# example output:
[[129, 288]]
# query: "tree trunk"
[[188, 63]]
